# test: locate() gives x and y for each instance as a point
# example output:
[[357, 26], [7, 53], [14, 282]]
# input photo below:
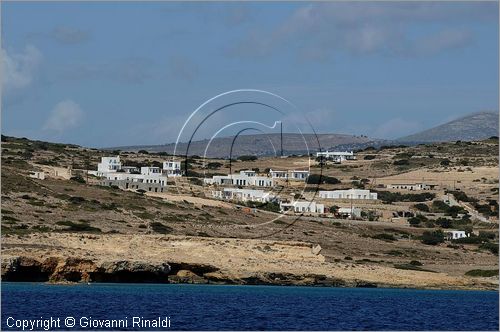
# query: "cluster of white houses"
[[336, 156], [250, 178], [130, 177]]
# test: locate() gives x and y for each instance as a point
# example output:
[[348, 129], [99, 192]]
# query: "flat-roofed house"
[[172, 168], [337, 156], [347, 194], [241, 179], [454, 235], [151, 170], [299, 175], [303, 207], [108, 164], [411, 186], [236, 194]]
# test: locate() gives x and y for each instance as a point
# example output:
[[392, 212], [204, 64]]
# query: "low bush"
[[481, 273], [247, 158], [432, 238], [390, 197], [422, 207], [158, 227], [321, 179], [78, 179], [384, 237]]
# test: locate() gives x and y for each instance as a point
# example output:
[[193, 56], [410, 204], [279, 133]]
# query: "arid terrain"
[[66, 228]]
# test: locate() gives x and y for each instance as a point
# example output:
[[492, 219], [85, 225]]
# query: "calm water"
[[202, 307]]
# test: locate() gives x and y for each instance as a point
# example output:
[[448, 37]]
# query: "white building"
[[151, 170], [242, 179], [108, 164], [453, 235], [172, 168], [337, 156], [131, 169], [299, 175], [289, 175], [411, 186], [278, 174], [347, 194], [302, 207], [349, 212], [37, 175], [236, 194]]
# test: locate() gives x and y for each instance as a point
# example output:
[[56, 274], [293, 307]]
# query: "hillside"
[[65, 228], [472, 127], [262, 145]]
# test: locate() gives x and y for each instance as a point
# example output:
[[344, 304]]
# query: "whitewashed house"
[[299, 175], [151, 170], [242, 179], [350, 213], [108, 164], [276, 174], [347, 194], [337, 156], [289, 175], [411, 186], [302, 207], [454, 235], [172, 168], [130, 177], [37, 175], [131, 169], [244, 195]]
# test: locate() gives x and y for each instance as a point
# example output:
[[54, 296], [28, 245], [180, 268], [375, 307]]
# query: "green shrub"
[[78, 179], [492, 247], [481, 273], [432, 238], [401, 162], [384, 237], [391, 197], [79, 227], [321, 179], [158, 227], [247, 158], [417, 220], [422, 207]]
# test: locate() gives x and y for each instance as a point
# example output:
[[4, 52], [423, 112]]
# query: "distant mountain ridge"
[[471, 127], [262, 145], [476, 126]]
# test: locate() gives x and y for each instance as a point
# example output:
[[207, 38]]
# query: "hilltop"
[[262, 145], [472, 127]]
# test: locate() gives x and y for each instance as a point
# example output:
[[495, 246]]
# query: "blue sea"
[[211, 307]]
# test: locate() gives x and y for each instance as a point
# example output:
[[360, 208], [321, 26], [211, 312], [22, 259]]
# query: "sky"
[[114, 74]]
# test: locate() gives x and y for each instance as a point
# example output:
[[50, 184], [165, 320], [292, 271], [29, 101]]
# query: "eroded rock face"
[[126, 271], [74, 269]]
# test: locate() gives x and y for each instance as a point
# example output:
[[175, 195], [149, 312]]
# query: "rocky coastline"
[[68, 258]]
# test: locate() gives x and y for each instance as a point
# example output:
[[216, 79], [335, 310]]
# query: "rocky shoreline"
[[72, 258]]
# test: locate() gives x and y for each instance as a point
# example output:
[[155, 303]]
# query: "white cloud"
[[320, 29], [65, 115], [18, 69]]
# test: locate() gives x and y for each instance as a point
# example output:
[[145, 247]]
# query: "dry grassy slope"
[[475, 126], [55, 206]]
